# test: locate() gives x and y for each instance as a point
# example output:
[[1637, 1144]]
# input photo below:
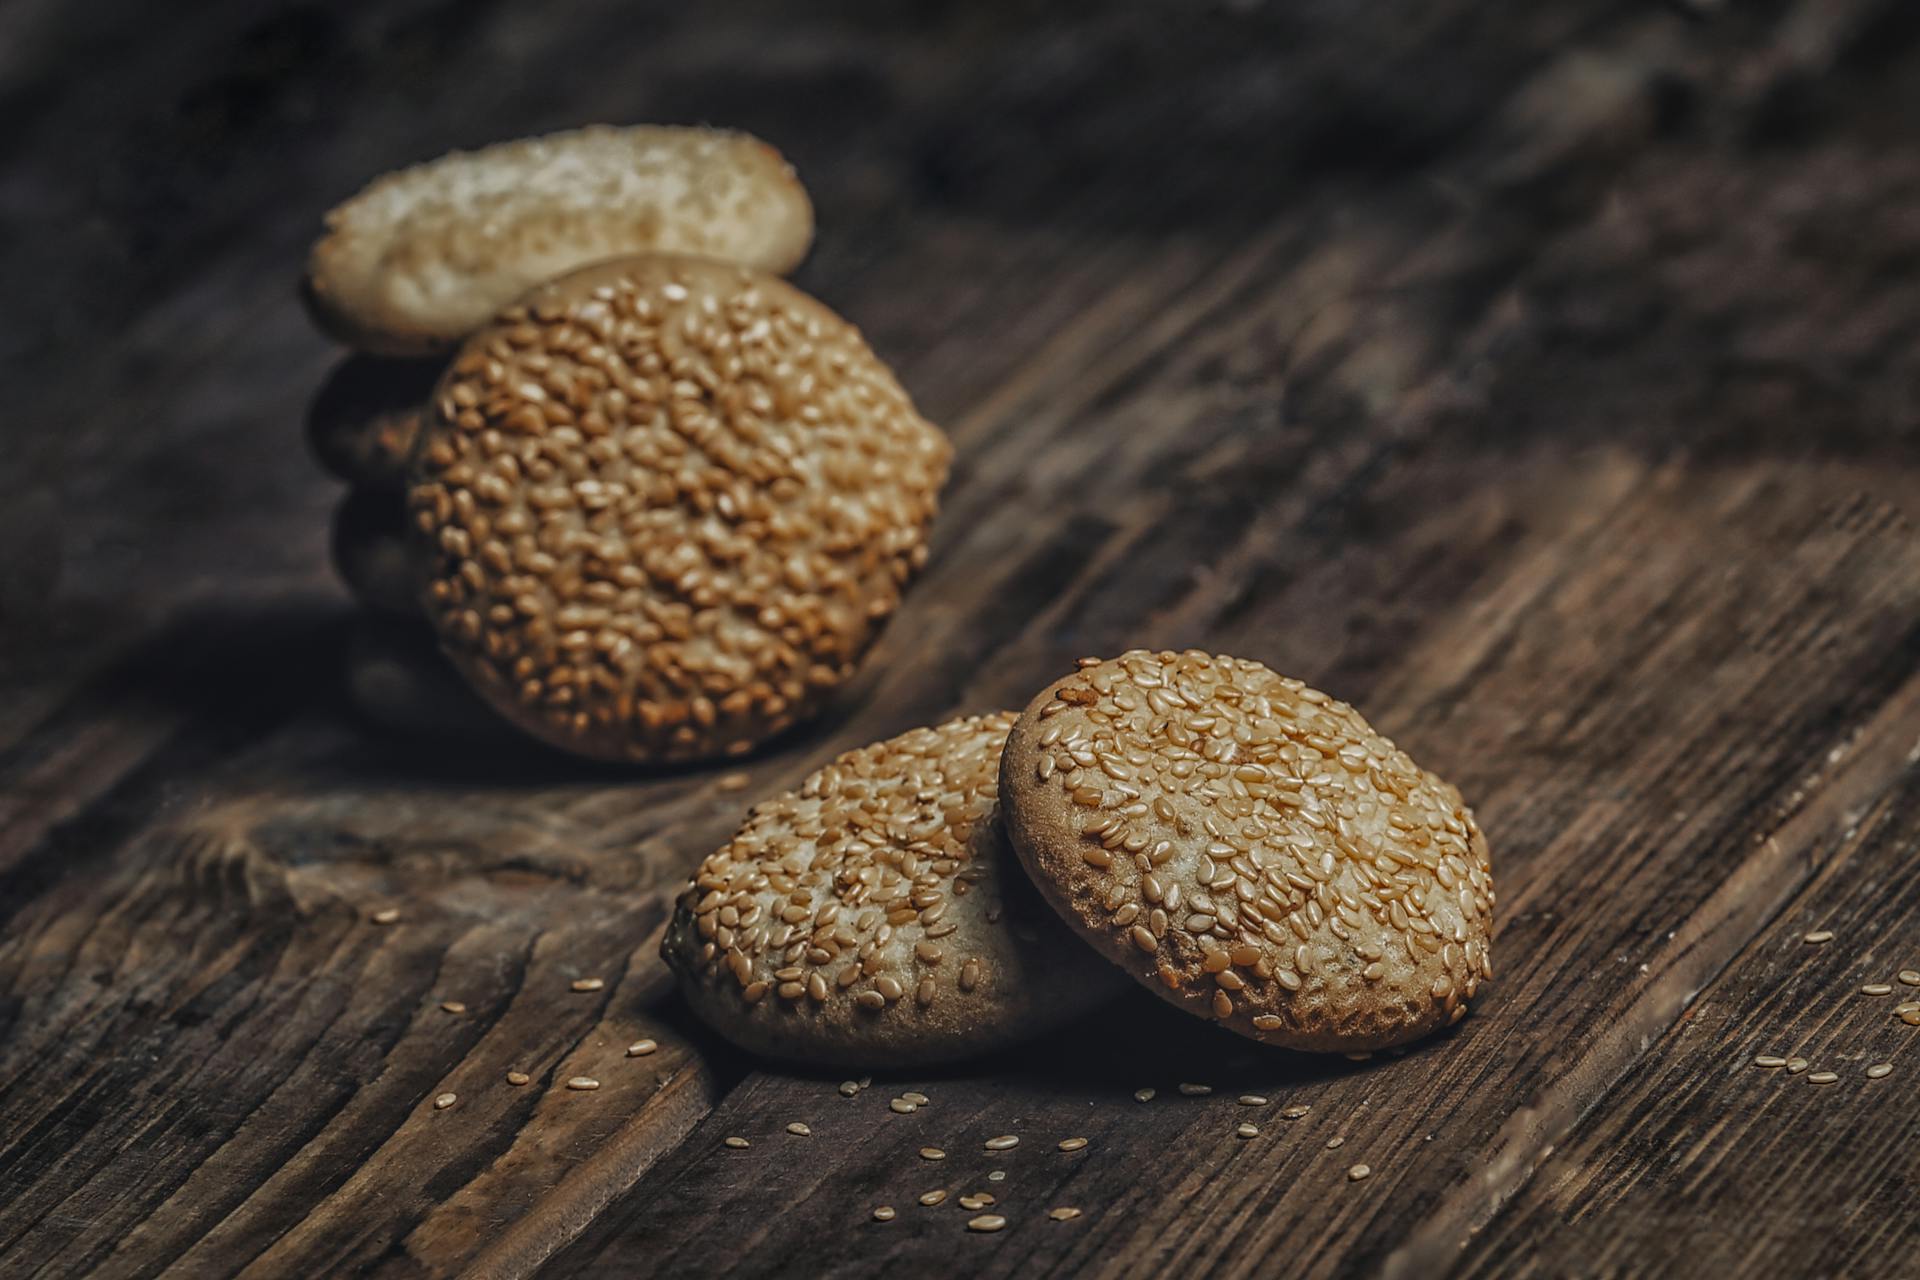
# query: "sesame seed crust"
[[874, 917], [1251, 849], [667, 504], [422, 257]]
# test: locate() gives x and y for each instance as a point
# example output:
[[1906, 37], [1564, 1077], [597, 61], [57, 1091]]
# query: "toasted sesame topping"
[[883, 1213], [1876, 989], [1143, 1095], [1282, 867], [518, 1078], [738, 1144], [1818, 936], [1253, 1100], [1065, 1213], [1359, 1173], [1768, 1060], [1072, 1144], [1823, 1077], [1879, 1071], [386, 915], [444, 1101], [932, 1153], [933, 1197], [669, 504], [799, 1130], [587, 984], [1247, 1131], [453, 1006], [641, 1048], [1005, 1142], [986, 1222]]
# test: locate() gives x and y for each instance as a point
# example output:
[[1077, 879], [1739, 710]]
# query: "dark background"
[[1544, 378]]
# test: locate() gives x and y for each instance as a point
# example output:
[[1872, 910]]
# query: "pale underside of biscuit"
[[875, 917], [422, 257], [1251, 850]]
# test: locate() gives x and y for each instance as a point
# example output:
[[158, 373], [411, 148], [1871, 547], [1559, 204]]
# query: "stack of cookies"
[[653, 502]]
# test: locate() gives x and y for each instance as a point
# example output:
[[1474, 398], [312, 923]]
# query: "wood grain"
[[1544, 381]]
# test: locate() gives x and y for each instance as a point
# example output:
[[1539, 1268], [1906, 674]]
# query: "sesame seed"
[[1818, 936], [1823, 1077], [1796, 1065], [1295, 1111], [587, 984], [932, 1153], [386, 915], [518, 1078], [1359, 1173], [933, 1197], [1335, 1142], [641, 1048], [1072, 1144], [453, 1006], [584, 1084], [917, 1099], [883, 1214], [799, 1130], [1910, 976], [1768, 1060], [902, 1107], [1143, 1095], [444, 1101], [1253, 1100], [1910, 1015], [738, 1144], [976, 1200], [848, 1088], [1248, 1131], [998, 1175], [1005, 1142], [1879, 1071], [986, 1222], [1196, 1090], [1876, 989], [1065, 1213], [732, 782]]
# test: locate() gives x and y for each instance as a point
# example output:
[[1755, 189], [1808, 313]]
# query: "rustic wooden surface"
[[1545, 379]]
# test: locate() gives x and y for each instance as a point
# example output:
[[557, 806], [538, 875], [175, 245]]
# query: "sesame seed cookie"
[[363, 421], [1251, 849], [875, 917], [422, 257], [667, 504]]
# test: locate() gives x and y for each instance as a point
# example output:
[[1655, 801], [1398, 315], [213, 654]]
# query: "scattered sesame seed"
[[1876, 989], [1823, 1077], [518, 1078], [1335, 1141], [902, 1107], [1064, 1213], [1768, 1060], [588, 984], [1143, 1095], [1879, 1071], [444, 1101], [933, 1197], [976, 1200], [1796, 1065], [733, 782], [738, 1144], [799, 1130], [1818, 936], [386, 915], [1909, 976], [1909, 1014], [1295, 1111], [1253, 1099], [585, 1084], [1357, 1055], [641, 1048], [917, 1099], [1005, 1142], [998, 1175], [1072, 1144], [883, 1214], [986, 1222], [1248, 1131], [1359, 1173], [1196, 1090], [849, 1087], [932, 1153], [453, 1006]]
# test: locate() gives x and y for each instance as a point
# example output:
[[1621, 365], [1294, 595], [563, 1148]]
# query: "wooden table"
[[1543, 378]]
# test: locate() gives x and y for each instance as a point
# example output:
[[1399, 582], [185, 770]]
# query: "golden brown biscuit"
[[666, 505], [875, 916], [423, 257], [364, 419], [1251, 849]]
